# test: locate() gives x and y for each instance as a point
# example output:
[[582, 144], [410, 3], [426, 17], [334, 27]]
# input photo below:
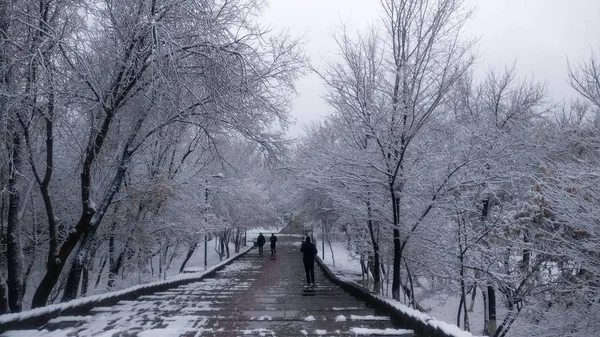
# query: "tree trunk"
[[170, 260], [113, 259], [87, 221], [410, 291], [73, 279], [332, 255], [460, 306], [466, 324], [91, 226], [492, 311], [473, 297], [384, 276], [489, 326], [161, 260], [27, 274], [188, 256], [374, 234], [221, 245], [115, 268], [363, 270], [397, 248], [55, 263], [526, 253], [55, 257], [4, 307], [99, 276], [78, 265], [5, 81], [506, 324], [85, 278], [88, 270], [486, 320], [14, 254], [462, 243], [238, 239]]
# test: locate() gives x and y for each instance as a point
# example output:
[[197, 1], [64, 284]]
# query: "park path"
[[253, 296]]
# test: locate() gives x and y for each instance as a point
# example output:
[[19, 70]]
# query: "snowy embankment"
[[37, 317], [422, 323]]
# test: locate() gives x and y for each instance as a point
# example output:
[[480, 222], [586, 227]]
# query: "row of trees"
[[130, 130], [449, 183], [113, 117]]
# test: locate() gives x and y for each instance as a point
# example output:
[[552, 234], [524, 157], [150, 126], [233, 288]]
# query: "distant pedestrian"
[[260, 242], [273, 240], [309, 251]]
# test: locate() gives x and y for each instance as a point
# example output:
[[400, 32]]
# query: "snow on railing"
[[37, 317], [422, 323]]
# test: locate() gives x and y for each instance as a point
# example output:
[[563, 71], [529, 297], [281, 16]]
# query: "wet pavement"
[[253, 296]]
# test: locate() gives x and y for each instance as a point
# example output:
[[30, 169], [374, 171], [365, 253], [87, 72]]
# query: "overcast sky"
[[538, 34]]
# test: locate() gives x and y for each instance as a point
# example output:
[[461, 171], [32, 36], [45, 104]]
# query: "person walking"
[[309, 251], [273, 240], [260, 242]]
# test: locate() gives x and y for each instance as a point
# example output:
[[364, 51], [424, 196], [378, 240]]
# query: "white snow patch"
[[340, 318], [261, 332], [321, 332], [304, 332], [180, 322], [193, 270], [62, 319], [310, 319], [369, 318], [38, 333], [449, 329], [388, 331], [348, 308], [112, 332], [162, 332], [345, 264], [96, 298]]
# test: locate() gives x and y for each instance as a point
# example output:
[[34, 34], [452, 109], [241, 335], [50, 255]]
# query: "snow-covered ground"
[[194, 268], [348, 267], [196, 262], [168, 313], [217, 305], [440, 307], [96, 298]]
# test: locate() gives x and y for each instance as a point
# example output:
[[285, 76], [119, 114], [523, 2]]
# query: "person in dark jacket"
[[309, 251], [273, 240], [260, 242]]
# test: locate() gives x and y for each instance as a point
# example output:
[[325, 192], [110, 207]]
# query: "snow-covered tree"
[[114, 98]]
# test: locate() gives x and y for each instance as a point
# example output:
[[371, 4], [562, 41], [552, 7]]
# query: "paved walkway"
[[253, 296]]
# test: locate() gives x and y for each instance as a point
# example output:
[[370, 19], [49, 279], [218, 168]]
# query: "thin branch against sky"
[[537, 35]]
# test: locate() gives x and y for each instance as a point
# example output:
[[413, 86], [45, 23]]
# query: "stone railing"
[[35, 318], [421, 323]]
